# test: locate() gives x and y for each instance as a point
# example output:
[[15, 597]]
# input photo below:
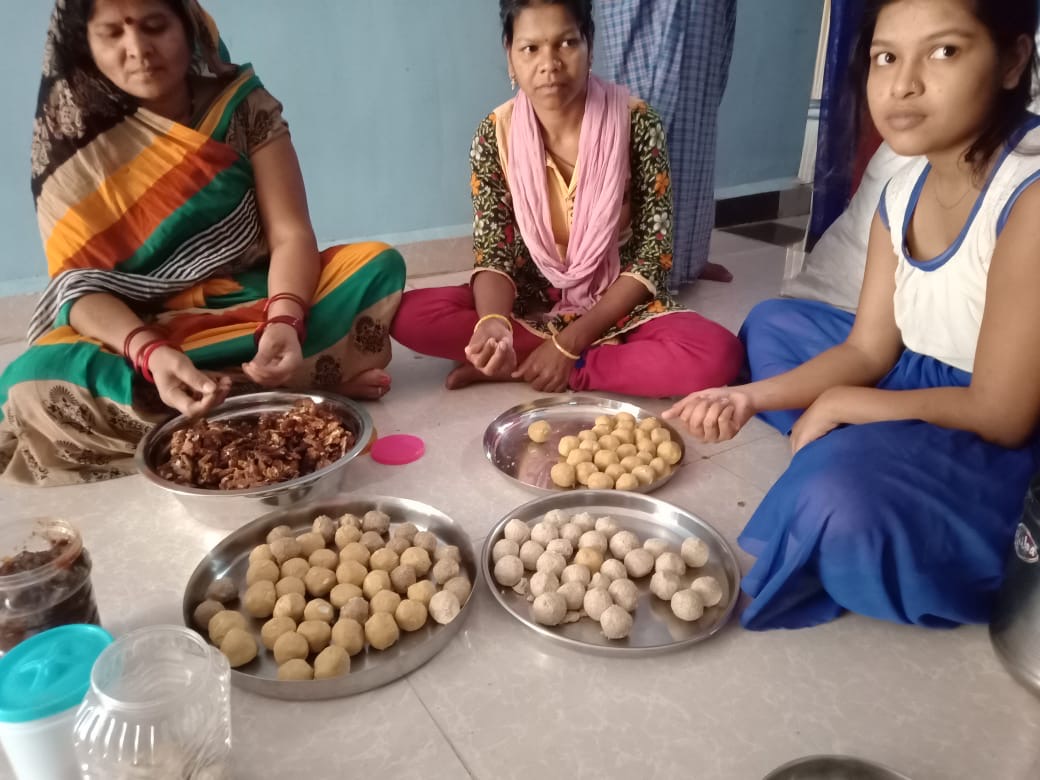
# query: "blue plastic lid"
[[49, 673]]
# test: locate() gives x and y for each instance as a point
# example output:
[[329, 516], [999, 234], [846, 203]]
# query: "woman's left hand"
[[818, 420], [546, 369], [278, 356]]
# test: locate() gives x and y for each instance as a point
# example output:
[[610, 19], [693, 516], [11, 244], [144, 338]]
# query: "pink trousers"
[[671, 355]]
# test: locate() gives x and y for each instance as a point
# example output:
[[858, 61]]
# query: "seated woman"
[[178, 244], [572, 235], [915, 421]]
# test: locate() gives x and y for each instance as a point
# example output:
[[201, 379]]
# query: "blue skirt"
[[902, 521]]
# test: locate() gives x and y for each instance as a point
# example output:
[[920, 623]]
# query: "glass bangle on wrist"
[[144, 357], [287, 296], [487, 317], [130, 337], [564, 351], [283, 319]]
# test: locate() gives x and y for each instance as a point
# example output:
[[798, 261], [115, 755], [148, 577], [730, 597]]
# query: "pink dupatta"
[[592, 263]]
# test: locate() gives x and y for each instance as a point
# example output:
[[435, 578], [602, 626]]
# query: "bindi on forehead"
[[127, 12], [128, 21]]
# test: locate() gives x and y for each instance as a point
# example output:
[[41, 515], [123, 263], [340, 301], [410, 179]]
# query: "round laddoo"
[[687, 605], [349, 634], [331, 662], [274, 628], [539, 431], [444, 607], [239, 646], [381, 630], [410, 615]]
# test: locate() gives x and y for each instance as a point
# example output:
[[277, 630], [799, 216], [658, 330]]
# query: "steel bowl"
[[248, 503], [833, 768], [510, 450], [656, 629], [370, 668]]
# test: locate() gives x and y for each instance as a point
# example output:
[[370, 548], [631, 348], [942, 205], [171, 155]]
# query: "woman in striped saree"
[[181, 256]]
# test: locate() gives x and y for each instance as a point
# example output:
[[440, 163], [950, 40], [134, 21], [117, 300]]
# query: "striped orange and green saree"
[[164, 216]]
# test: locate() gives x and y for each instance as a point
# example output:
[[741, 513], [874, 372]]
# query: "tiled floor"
[[500, 702]]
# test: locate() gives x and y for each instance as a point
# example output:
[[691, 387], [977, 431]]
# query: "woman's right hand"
[[490, 349], [182, 386], [713, 415]]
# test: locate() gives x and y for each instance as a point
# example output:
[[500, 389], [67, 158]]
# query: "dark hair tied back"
[[581, 10]]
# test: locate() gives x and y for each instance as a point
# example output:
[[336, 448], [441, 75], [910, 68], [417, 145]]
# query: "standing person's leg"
[[668, 356], [676, 55], [629, 34], [707, 47]]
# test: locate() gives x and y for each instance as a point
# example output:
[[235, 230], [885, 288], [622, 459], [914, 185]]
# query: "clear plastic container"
[[44, 579], [42, 682], [159, 705]]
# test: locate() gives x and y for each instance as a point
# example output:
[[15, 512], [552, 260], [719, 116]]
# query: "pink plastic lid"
[[398, 449]]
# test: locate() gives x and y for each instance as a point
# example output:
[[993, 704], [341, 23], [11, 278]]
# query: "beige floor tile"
[[14, 316], [447, 255], [500, 702], [515, 704], [385, 733], [723, 244], [753, 430], [9, 352], [438, 280], [760, 462]]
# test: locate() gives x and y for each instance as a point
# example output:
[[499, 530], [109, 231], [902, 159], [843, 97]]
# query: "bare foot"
[[369, 385], [466, 374], [713, 272]]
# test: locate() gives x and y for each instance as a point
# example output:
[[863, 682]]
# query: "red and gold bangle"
[[288, 296], [282, 319], [130, 337], [144, 355]]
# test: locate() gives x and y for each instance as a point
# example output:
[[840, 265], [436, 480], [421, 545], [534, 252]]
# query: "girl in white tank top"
[[914, 424]]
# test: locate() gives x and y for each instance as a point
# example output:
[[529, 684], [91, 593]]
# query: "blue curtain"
[[836, 147]]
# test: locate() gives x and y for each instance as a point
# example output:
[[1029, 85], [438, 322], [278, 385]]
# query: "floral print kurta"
[[646, 254]]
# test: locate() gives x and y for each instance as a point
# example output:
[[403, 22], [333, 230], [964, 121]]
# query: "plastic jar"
[[159, 705], [44, 579]]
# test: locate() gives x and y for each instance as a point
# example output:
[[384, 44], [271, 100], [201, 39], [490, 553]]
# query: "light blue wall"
[[21, 256], [763, 115], [383, 96]]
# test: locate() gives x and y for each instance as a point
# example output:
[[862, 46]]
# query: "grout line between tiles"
[[477, 545], [443, 733], [739, 477], [732, 446]]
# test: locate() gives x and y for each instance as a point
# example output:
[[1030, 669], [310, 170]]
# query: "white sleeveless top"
[[939, 302]]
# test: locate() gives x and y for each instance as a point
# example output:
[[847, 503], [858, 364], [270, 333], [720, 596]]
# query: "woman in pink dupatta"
[[572, 234]]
